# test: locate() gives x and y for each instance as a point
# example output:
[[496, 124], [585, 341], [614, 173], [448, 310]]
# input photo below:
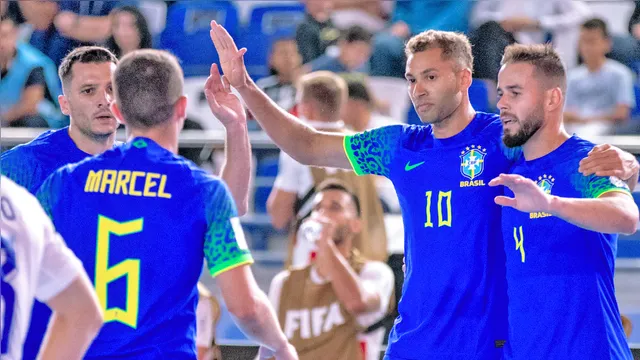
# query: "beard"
[[528, 128], [341, 233]]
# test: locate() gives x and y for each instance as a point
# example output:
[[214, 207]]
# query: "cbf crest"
[[545, 182], [472, 160]]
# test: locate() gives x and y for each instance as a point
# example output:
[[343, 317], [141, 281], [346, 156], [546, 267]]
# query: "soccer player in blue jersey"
[[453, 304], [141, 219], [86, 78], [559, 226]]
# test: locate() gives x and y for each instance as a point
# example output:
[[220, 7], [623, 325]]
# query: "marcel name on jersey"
[[472, 160], [127, 182]]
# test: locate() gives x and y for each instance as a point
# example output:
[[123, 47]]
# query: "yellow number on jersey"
[[442, 220]]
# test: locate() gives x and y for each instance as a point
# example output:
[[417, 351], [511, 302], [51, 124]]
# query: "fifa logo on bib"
[[545, 182], [472, 160]]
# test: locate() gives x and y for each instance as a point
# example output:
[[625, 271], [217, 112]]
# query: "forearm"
[[345, 283], [237, 165], [19, 110], [287, 131], [40, 14], [67, 338], [262, 325], [91, 29], [610, 216]]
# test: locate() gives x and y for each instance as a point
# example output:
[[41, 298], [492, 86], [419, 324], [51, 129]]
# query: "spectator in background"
[[321, 96], [324, 305], [411, 17], [316, 32], [129, 31], [372, 15], [284, 65], [207, 317], [26, 76], [626, 48], [354, 50], [498, 23], [360, 113], [600, 92]]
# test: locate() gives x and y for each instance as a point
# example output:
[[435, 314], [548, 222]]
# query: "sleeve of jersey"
[[18, 165], [49, 192], [225, 247], [593, 186], [372, 151]]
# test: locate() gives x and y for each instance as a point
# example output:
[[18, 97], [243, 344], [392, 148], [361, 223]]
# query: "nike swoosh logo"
[[410, 167]]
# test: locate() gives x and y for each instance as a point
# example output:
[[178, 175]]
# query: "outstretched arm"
[[301, 142], [606, 160], [237, 156], [610, 212]]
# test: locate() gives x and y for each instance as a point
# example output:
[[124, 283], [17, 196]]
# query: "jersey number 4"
[[106, 274], [444, 201]]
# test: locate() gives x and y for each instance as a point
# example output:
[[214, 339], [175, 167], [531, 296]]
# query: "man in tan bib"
[[323, 307]]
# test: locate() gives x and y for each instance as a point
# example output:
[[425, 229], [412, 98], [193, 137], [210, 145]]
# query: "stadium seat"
[[266, 172], [187, 32], [267, 23]]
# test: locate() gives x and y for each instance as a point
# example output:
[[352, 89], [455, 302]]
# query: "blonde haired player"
[[36, 263]]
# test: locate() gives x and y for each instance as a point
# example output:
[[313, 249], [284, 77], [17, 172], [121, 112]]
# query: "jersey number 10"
[[106, 274], [444, 200]]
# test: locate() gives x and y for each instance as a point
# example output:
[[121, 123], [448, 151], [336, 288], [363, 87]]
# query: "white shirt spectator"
[[375, 277], [593, 94], [35, 263]]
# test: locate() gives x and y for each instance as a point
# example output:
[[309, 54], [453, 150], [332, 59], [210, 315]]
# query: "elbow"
[[356, 307], [245, 310], [90, 320], [629, 223]]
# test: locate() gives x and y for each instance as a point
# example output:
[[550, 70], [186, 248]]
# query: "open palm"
[[231, 59], [223, 103], [527, 195]]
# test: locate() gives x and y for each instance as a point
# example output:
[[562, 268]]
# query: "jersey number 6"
[[106, 274]]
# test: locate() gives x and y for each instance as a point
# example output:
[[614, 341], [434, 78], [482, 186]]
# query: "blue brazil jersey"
[[562, 302], [141, 219], [29, 165], [453, 303]]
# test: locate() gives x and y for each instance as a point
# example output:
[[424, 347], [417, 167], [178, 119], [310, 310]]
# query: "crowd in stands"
[[363, 38]]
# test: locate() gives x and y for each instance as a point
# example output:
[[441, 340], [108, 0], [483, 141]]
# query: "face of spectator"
[[337, 206], [285, 58], [8, 39], [521, 103], [355, 54], [86, 99], [435, 85], [319, 9], [125, 31], [593, 45]]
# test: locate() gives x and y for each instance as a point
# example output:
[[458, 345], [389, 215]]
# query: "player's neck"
[[544, 141], [454, 123], [160, 135], [91, 145]]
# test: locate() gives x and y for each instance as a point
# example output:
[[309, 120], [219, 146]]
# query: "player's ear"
[[180, 108], [466, 78], [555, 99], [64, 105], [115, 110]]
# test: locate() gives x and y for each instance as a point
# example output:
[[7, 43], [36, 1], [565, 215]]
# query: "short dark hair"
[[543, 57], [358, 90], [84, 55], [146, 40], [334, 184], [596, 24], [357, 33], [147, 83]]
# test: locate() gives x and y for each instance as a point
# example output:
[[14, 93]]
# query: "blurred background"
[[361, 40]]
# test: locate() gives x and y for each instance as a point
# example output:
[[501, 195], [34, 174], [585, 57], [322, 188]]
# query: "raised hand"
[[223, 103], [231, 59], [528, 196]]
